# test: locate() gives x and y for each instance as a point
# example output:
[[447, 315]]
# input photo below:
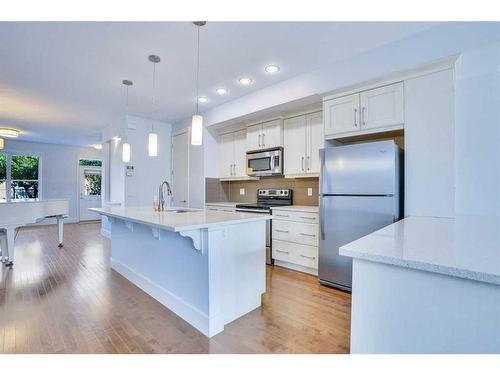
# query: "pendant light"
[[153, 137], [197, 119], [126, 145], [1, 144]]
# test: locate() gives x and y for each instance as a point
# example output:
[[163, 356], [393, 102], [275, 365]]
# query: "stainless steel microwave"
[[268, 162]]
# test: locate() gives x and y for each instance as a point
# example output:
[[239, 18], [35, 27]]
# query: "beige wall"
[[230, 191]]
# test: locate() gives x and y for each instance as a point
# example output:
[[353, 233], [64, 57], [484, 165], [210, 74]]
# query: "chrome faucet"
[[161, 200]]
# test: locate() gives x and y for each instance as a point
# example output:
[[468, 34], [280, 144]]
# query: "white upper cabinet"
[[239, 145], [294, 139], [315, 141], [232, 154], [382, 107], [265, 135], [272, 134], [341, 115], [302, 139], [254, 137], [226, 154], [369, 111]]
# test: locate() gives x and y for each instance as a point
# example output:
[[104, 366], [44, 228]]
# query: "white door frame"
[[172, 176], [79, 185]]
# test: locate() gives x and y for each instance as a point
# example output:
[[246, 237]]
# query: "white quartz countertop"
[[466, 247], [178, 222], [313, 209]]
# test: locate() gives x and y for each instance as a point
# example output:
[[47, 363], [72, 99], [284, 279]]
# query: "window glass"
[[92, 183], [91, 163], [24, 177], [3, 176], [24, 167]]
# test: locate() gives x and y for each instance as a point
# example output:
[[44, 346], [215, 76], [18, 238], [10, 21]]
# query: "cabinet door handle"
[[363, 122], [259, 140], [281, 231], [307, 234], [355, 116], [302, 163], [308, 164], [234, 169], [263, 139], [282, 251], [308, 218], [307, 256]]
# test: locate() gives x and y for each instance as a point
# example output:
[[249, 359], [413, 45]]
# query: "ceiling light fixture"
[[221, 91], [1, 144], [272, 69], [152, 136], [126, 145], [9, 133], [202, 99], [197, 119], [97, 146], [245, 81]]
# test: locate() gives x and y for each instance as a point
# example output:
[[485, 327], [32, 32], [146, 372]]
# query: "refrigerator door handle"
[[322, 221]]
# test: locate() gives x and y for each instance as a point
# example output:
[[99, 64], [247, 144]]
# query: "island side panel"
[[169, 269], [237, 270], [401, 310]]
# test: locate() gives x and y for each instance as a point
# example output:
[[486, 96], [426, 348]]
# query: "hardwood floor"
[[70, 301]]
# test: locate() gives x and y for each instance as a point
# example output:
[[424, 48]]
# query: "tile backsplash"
[[229, 191]]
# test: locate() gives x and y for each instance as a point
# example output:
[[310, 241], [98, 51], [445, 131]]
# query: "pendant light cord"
[[197, 67], [153, 98]]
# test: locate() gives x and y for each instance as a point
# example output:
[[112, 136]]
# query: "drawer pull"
[[227, 210], [307, 256], [282, 251], [281, 215], [281, 231], [308, 218], [307, 235]]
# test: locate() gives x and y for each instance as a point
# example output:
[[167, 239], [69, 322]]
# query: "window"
[[92, 183], [19, 176], [90, 163], [3, 176]]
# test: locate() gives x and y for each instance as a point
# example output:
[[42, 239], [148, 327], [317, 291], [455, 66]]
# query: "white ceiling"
[[61, 82]]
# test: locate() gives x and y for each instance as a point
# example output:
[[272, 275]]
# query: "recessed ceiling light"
[[245, 81], [202, 99], [97, 146], [221, 91], [272, 68], [9, 133]]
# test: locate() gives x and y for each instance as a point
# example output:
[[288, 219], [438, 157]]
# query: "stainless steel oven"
[[267, 162]]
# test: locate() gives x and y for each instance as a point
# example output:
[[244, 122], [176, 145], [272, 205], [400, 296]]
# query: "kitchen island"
[[207, 267], [427, 285]]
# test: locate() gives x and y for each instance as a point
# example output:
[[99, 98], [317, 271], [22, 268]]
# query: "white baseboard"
[[180, 307]]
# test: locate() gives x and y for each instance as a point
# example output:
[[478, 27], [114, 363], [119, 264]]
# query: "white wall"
[[59, 174], [477, 119], [141, 188]]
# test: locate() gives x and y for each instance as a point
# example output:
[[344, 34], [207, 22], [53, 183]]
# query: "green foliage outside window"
[[3, 166], [24, 167], [90, 163]]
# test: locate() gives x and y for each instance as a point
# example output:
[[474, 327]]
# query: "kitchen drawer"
[[303, 217], [302, 255], [302, 233], [220, 208]]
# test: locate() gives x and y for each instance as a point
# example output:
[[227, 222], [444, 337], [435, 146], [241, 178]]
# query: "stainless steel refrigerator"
[[360, 192]]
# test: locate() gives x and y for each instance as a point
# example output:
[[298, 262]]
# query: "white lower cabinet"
[[295, 239]]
